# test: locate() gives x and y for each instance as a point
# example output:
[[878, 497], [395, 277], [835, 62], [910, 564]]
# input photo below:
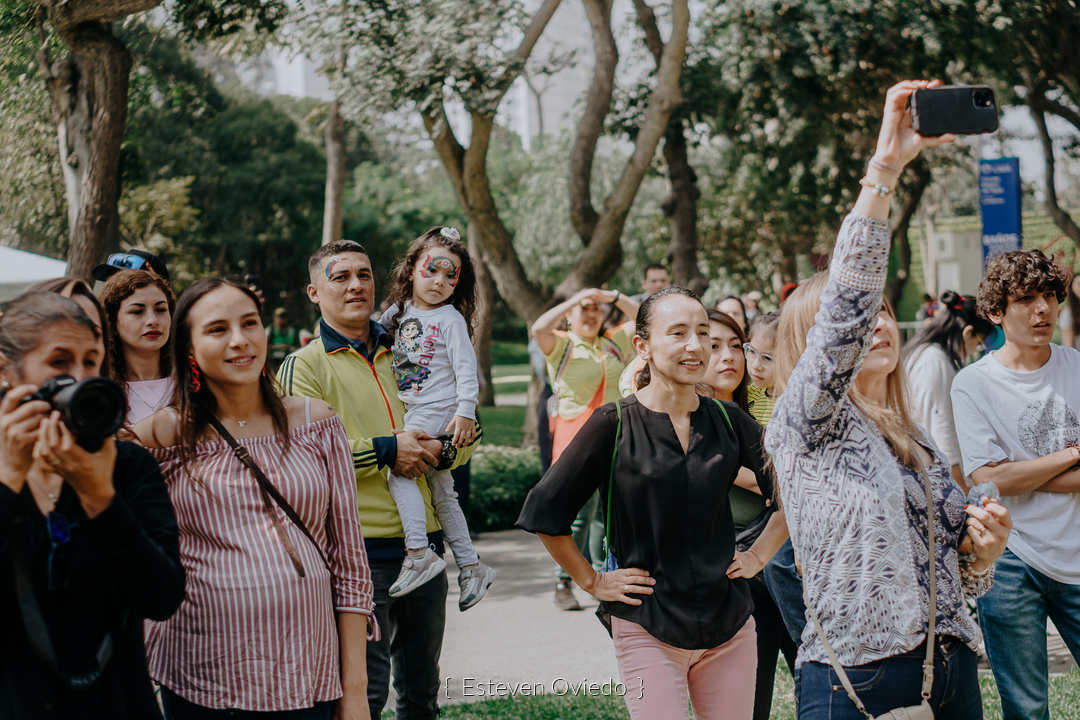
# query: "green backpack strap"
[[723, 411], [611, 479]]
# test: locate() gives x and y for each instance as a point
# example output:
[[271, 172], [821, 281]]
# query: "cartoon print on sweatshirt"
[[409, 374]]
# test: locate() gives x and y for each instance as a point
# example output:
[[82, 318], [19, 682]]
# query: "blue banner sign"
[[999, 201]]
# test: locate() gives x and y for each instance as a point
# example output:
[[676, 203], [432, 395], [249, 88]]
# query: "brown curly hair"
[[1018, 273], [464, 295], [119, 287]]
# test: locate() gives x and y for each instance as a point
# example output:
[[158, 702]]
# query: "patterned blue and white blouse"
[[857, 516]]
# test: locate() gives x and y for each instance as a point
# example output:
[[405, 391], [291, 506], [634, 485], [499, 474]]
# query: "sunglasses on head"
[[127, 261]]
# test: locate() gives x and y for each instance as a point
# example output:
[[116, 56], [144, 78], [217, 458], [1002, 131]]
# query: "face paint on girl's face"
[[432, 264]]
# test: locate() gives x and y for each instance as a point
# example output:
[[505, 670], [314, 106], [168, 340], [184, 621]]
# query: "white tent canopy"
[[20, 269]]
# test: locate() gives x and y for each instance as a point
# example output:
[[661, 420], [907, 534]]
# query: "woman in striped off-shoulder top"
[[275, 619]]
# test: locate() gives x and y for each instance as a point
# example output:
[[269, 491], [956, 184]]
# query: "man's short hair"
[[1018, 273], [654, 266], [330, 249]]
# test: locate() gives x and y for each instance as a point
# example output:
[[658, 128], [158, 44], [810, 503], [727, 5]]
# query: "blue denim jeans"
[[785, 586], [412, 636], [1013, 619], [894, 682]]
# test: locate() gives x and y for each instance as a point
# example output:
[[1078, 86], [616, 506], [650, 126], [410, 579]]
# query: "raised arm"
[[851, 298], [544, 327]]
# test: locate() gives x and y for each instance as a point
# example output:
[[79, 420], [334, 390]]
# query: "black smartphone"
[[959, 109]]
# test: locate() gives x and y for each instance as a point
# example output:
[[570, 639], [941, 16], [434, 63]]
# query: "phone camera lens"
[[983, 98]]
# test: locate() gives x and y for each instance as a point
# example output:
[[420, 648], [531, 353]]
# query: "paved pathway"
[[516, 636]]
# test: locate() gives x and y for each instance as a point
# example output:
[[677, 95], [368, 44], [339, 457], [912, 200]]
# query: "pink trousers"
[[658, 677]]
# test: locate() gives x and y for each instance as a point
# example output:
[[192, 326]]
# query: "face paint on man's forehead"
[[328, 269], [434, 263]]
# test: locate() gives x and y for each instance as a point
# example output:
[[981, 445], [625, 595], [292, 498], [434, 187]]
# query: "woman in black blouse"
[[679, 613], [88, 544]]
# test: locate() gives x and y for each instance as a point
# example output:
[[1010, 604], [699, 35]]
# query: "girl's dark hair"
[[742, 307], [118, 288], [741, 393], [464, 296], [196, 408], [644, 317], [26, 321], [955, 313], [767, 322], [69, 287]]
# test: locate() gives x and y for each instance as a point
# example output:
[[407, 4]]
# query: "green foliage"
[[502, 425], [501, 476], [509, 352]]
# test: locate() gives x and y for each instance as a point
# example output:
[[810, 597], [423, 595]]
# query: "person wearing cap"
[[282, 339], [130, 260]]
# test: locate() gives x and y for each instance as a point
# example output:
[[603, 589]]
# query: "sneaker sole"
[[489, 579], [433, 570]]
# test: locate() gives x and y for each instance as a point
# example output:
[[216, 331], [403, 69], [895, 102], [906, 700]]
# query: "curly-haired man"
[[1016, 418]]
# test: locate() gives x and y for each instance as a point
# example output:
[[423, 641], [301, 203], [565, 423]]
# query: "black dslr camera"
[[92, 409]]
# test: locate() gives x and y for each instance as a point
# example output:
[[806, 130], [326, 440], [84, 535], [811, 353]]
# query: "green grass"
[[508, 352], [511, 388], [1064, 703], [502, 425]]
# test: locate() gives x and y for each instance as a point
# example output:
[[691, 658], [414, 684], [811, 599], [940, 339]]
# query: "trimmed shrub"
[[501, 477]]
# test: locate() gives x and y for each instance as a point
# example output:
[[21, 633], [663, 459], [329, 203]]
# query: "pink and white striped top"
[[252, 634]]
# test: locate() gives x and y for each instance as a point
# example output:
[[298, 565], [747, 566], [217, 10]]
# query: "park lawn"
[[502, 425], [1064, 703], [516, 370]]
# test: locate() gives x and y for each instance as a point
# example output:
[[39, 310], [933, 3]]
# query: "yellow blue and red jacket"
[[359, 384]]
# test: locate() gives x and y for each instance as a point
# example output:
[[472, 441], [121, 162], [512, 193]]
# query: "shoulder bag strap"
[[269, 492], [37, 630], [723, 411], [928, 662], [611, 476]]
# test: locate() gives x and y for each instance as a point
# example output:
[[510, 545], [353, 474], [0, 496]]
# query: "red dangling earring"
[[196, 381]]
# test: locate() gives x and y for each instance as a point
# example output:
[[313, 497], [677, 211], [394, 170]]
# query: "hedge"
[[501, 477]]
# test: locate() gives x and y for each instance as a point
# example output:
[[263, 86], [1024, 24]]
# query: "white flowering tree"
[[418, 59]]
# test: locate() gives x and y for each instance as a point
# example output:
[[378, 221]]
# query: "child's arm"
[[463, 361]]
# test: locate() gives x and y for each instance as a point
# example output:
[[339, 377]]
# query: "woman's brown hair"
[[464, 296], [118, 288], [892, 419], [71, 287]]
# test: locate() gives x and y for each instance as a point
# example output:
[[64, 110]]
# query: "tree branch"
[[583, 215], [1062, 110], [604, 251], [66, 14], [447, 146], [1061, 218], [646, 19], [516, 62]]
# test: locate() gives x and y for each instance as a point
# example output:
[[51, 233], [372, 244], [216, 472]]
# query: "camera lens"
[[982, 98], [92, 409]]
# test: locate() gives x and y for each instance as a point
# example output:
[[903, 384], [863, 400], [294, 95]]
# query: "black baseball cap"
[[130, 260]]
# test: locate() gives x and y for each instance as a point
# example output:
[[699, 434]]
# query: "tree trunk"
[[681, 211], [894, 286], [88, 92], [484, 318], [335, 175], [601, 232], [1057, 213]]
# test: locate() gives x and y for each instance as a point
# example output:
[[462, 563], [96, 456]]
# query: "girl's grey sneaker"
[[473, 584], [417, 571]]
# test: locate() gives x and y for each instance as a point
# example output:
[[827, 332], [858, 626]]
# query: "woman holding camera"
[[876, 520], [138, 306], [88, 544], [279, 605]]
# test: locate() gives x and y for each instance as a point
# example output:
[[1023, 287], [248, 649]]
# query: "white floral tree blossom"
[[417, 57]]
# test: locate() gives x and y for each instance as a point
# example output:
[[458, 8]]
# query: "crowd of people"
[[264, 535]]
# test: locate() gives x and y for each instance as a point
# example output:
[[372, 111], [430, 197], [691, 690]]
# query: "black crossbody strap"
[[269, 492], [37, 631]]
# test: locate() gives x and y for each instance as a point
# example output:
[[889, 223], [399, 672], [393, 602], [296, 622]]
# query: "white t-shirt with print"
[[1004, 414], [434, 360]]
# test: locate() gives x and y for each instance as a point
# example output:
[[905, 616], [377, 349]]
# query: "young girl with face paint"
[[433, 297]]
